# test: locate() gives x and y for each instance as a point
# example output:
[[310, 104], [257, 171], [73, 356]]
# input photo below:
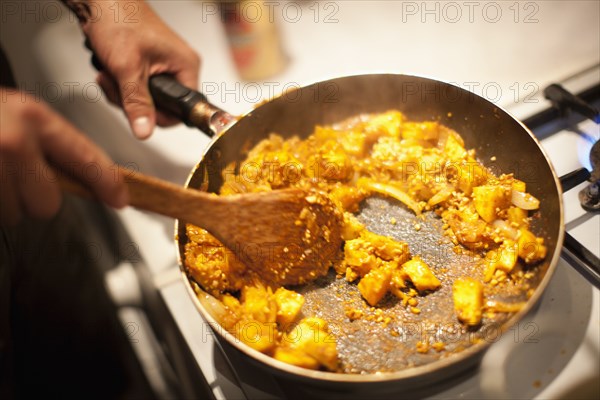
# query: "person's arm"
[[133, 43], [31, 136]]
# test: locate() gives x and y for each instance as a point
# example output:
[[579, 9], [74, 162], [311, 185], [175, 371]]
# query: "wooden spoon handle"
[[166, 198], [151, 194]]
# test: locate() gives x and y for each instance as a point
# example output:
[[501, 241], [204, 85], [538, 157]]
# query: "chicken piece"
[[360, 258], [490, 199], [370, 251], [531, 248], [507, 255], [386, 248], [454, 148], [373, 257], [467, 294], [330, 166], [231, 302], [312, 337], [384, 124], [259, 304], [469, 229], [420, 275], [289, 304], [517, 217], [350, 274], [504, 259], [295, 357], [426, 130], [518, 185], [258, 335], [469, 175], [399, 278], [374, 285]]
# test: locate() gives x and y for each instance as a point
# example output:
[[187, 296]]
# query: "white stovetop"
[[503, 50]]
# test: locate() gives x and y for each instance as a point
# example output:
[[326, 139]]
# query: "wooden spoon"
[[288, 236]]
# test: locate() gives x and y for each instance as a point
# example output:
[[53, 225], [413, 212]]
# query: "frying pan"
[[367, 346]]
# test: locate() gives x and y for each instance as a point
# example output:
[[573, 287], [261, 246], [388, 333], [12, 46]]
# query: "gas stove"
[[552, 352]]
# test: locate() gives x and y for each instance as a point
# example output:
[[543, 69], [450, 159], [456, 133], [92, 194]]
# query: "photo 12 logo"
[[326, 12], [453, 12], [255, 92], [56, 92], [517, 92], [126, 12]]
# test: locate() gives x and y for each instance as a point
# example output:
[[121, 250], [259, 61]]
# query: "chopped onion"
[[391, 191], [440, 196], [525, 200], [442, 138], [212, 305], [505, 228]]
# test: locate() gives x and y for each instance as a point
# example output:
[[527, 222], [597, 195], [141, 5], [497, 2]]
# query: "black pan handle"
[[172, 97], [188, 105]]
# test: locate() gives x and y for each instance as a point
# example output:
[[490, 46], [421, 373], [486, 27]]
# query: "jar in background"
[[253, 38]]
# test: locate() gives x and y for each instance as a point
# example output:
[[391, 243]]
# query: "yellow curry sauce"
[[423, 165]]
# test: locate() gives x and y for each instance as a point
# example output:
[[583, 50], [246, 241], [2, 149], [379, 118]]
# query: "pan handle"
[[188, 105]]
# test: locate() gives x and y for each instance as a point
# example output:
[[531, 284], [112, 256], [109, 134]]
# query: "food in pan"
[[467, 294], [424, 166]]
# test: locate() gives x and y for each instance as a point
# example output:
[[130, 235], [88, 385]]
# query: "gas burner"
[[590, 195], [595, 160]]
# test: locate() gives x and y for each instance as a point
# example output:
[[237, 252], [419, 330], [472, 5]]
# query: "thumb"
[[138, 106]]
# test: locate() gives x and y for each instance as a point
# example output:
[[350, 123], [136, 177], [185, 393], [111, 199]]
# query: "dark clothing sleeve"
[[59, 335], [6, 76]]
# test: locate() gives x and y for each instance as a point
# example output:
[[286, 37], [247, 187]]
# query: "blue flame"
[[588, 135]]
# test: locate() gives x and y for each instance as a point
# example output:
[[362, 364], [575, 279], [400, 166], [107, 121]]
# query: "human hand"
[[31, 135], [133, 45]]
